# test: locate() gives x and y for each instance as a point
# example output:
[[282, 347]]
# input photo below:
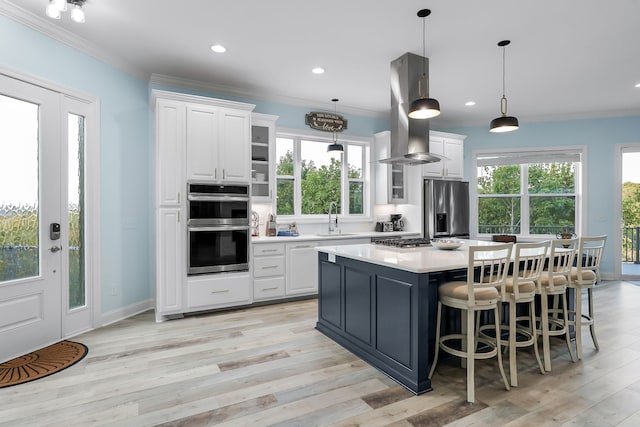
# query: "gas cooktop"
[[405, 243]]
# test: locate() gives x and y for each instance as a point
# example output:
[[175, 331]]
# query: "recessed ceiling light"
[[318, 70], [470, 103], [637, 84], [218, 48]]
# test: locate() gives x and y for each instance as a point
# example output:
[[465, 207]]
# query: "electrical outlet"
[[114, 290]]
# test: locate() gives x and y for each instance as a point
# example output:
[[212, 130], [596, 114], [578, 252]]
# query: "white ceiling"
[[567, 59]]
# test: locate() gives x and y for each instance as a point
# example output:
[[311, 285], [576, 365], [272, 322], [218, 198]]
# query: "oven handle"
[[222, 228], [217, 198]]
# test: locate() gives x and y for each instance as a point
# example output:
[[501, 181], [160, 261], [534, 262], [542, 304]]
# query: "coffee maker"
[[398, 222]]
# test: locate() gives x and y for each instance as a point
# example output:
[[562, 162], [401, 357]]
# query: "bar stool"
[[585, 275], [486, 271], [554, 282], [520, 288]]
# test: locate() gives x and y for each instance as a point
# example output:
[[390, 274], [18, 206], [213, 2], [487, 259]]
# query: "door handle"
[[55, 249]]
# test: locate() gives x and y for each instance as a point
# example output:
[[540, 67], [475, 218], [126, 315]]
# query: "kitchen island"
[[380, 303]]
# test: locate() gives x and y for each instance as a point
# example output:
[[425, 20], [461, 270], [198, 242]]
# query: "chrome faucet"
[[333, 225]]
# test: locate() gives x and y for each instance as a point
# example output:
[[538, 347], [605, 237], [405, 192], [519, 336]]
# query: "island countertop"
[[425, 259]]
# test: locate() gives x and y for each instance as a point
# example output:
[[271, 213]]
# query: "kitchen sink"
[[334, 234]]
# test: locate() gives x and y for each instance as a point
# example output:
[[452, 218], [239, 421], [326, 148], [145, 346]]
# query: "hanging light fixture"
[[424, 107], [503, 123], [56, 7], [335, 146]]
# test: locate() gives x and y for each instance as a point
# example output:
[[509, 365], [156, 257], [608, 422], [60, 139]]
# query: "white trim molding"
[[181, 83]]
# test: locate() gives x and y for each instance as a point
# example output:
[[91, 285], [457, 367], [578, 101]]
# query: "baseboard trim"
[[124, 312]]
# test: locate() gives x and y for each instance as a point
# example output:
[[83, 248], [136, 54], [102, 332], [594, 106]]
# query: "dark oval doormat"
[[41, 363]]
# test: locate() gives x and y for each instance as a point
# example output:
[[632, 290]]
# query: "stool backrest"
[[492, 265], [589, 254], [528, 263], [561, 255]]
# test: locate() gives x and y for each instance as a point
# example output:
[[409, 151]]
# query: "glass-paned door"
[[19, 207], [30, 211], [630, 227], [75, 211]]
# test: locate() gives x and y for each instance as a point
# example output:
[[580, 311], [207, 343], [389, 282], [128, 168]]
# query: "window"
[[308, 177], [527, 193]]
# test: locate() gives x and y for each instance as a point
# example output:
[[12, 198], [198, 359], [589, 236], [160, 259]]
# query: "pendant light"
[[503, 123], [424, 107], [335, 146]]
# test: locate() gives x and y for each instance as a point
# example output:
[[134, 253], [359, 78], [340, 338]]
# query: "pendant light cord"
[[424, 46], [503, 100]]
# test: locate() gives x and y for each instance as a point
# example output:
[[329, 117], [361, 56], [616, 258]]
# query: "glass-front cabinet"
[[263, 140]]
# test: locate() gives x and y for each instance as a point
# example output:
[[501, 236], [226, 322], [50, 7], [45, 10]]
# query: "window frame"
[[535, 155], [297, 136]]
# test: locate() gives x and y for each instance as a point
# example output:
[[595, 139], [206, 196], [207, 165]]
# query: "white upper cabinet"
[[169, 149], [263, 148], [217, 144], [235, 148], [202, 143], [391, 179], [450, 146]]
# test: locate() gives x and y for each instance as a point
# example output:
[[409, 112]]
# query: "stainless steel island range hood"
[[409, 137]]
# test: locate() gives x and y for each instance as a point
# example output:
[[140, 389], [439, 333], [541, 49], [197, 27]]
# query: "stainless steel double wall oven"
[[218, 227]]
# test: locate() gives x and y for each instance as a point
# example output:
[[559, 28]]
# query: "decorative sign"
[[328, 122]]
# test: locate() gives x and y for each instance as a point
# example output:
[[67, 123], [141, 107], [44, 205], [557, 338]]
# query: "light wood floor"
[[269, 366]]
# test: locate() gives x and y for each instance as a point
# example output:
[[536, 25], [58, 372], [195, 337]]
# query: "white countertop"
[[417, 260], [345, 235]]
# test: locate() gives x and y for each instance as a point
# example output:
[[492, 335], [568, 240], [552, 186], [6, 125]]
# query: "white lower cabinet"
[[268, 271], [282, 270], [218, 290], [170, 265], [302, 268]]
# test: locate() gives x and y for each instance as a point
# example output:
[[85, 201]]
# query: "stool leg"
[[592, 326], [435, 356], [499, 351], [566, 325], [532, 323], [513, 367], [578, 321], [470, 357], [544, 324], [556, 310]]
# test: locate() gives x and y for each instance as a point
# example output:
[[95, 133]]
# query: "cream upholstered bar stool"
[[520, 288], [585, 275], [487, 270], [554, 282]]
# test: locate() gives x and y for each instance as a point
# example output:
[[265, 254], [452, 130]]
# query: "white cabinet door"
[[170, 272], [391, 180], [436, 146], [449, 146], [235, 148], [302, 268], [169, 152], [453, 150], [202, 143], [263, 141]]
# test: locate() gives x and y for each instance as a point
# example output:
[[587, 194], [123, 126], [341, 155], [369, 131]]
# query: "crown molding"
[[253, 94], [48, 28]]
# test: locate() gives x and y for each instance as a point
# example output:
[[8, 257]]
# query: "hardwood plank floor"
[[269, 366]]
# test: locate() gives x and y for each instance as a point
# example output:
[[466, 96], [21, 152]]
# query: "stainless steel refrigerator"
[[445, 208]]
